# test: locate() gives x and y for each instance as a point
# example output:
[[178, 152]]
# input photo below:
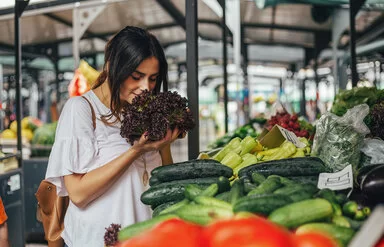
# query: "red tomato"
[[380, 243], [246, 232], [314, 239], [170, 233]]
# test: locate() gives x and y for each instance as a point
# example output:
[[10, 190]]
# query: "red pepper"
[[170, 233], [246, 232]]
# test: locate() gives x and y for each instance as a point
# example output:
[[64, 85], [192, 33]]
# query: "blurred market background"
[[271, 55]]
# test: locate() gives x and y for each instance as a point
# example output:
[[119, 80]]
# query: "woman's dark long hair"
[[123, 54]]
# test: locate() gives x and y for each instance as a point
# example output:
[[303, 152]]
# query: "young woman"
[[101, 172]]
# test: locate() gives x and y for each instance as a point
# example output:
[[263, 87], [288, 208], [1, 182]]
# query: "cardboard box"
[[277, 135]]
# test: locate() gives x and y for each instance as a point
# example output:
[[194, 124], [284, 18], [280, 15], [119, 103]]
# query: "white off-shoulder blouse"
[[79, 148]]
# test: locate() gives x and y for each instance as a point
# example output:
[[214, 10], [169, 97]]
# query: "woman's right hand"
[[144, 145]]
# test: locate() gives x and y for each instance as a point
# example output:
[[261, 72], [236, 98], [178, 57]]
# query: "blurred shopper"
[[4, 242], [99, 170]]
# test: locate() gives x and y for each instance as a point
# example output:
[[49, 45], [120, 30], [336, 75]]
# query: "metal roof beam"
[[179, 18], [69, 24], [172, 10], [285, 27]]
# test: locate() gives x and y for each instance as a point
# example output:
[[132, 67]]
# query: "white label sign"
[[14, 182], [336, 181], [290, 136]]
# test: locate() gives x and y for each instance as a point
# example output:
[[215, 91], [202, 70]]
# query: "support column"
[[82, 19], [225, 63], [192, 75], [339, 24]]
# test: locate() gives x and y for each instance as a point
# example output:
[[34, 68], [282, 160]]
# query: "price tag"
[[290, 136], [336, 181]]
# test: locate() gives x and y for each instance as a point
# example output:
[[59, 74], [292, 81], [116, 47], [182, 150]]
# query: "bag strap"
[[93, 113]]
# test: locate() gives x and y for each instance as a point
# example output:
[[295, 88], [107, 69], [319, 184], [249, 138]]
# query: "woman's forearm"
[[166, 156], [84, 188]]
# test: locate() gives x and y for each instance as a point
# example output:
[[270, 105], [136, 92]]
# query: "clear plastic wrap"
[[374, 149], [338, 139]]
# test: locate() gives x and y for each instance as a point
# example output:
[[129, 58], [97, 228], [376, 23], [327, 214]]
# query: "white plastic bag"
[[338, 139], [374, 148]]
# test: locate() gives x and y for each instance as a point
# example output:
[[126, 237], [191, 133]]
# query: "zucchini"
[[202, 214], [261, 204], [298, 213], [284, 180], [305, 179], [191, 169], [266, 187], [172, 191], [132, 230], [341, 234], [154, 181], [301, 166]]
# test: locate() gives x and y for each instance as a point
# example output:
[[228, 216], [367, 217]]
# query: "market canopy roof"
[[49, 22]]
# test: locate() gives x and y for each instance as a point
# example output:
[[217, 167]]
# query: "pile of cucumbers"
[[284, 191], [168, 183]]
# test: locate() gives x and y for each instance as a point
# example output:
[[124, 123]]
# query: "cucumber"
[[300, 195], [261, 204], [132, 230], [257, 178], [172, 191], [161, 207], [211, 190], [225, 196], [340, 220], [284, 180], [248, 185], [202, 214], [191, 191], [341, 234], [174, 207], [236, 192], [267, 186], [298, 213], [224, 184], [301, 166], [210, 201], [191, 169]]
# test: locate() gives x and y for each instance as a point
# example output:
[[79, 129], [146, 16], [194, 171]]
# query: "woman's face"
[[144, 77]]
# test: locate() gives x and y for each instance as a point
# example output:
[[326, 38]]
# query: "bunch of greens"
[[346, 99], [155, 114], [373, 97]]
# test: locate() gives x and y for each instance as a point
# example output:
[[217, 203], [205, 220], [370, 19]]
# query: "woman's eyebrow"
[[141, 73]]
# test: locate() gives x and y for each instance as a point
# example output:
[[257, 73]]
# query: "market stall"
[[228, 187]]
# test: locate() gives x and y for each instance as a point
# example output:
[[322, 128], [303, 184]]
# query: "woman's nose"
[[145, 84]]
